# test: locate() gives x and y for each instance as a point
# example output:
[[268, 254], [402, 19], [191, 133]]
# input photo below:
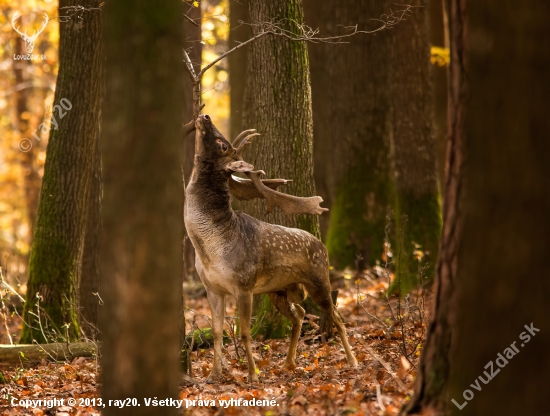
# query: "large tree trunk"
[[318, 15], [496, 228], [414, 148], [359, 160], [59, 236], [143, 203], [278, 105]]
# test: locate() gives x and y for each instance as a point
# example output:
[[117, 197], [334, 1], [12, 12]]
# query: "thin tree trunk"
[[361, 185], [414, 148], [496, 228], [194, 47], [238, 11], [278, 106], [143, 203], [28, 158], [56, 256], [90, 278], [439, 37]]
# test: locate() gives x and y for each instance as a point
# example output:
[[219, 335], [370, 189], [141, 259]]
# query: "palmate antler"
[[289, 204], [244, 189]]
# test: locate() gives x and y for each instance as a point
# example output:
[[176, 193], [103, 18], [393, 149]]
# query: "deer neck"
[[209, 189]]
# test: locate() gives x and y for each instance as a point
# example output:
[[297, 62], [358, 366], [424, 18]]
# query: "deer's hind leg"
[[296, 314], [319, 291]]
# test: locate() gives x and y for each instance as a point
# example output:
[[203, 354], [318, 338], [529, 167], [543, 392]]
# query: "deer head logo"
[[29, 40]]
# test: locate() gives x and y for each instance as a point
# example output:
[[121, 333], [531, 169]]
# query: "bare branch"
[[189, 66], [305, 33], [191, 20], [240, 45]]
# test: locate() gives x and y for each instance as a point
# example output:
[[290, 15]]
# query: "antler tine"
[[44, 23], [241, 135], [16, 16], [289, 204], [245, 142]]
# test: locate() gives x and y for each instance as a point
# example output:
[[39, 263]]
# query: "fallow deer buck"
[[239, 255]]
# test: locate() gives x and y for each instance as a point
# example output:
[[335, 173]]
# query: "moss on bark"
[[52, 290], [278, 105], [269, 322], [421, 231], [358, 220]]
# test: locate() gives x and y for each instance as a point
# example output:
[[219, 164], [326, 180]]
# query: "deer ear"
[[239, 166]]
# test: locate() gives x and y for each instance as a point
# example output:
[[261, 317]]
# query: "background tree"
[[496, 227], [238, 11], [358, 167], [318, 15], [193, 45], [439, 38], [21, 72], [414, 148], [278, 105], [89, 287], [56, 256], [143, 202]]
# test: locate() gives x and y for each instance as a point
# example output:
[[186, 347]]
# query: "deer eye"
[[224, 147]]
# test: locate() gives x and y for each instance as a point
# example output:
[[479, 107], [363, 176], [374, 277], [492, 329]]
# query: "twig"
[[379, 397], [11, 289], [387, 367], [191, 21], [374, 317]]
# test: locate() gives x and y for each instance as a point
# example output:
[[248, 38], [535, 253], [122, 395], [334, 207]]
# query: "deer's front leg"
[[244, 302], [217, 305]]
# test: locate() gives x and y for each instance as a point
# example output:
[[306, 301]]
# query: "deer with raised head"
[[242, 256]]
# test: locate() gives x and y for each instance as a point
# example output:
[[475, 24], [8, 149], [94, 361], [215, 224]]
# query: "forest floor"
[[386, 336]]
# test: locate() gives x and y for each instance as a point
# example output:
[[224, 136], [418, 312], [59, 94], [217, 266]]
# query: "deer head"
[[29, 40], [213, 149]]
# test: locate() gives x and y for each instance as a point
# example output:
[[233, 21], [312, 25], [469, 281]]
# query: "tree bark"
[[193, 45], [31, 179], [56, 256], [318, 15], [414, 148], [496, 226], [90, 277], [278, 106], [438, 33], [238, 11], [143, 203], [361, 183]]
